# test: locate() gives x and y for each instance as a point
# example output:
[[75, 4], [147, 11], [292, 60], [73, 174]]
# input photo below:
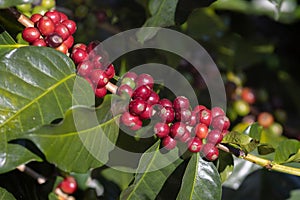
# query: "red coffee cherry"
[[84, 68], [99, 78], [153, 98], [195, 145], [166, 103], [137, 106], [216, 111], [71, 25], [68, 185], [53, 40], [205, 116], [69, 41], [214, 137], [110, 71], [31, 34], [35, 17], [78, 55], [265, 119], [221, 123], [125, 89], [79, 46], [142, 92], [248, 95], [62, 31], [201, 130], [161, 130], [100, 92], [167, 114], [145, 79], [39, 42], [148, 112], [169, 143], [45, 26], [177, 130], [210, 151], [131, 121], [54, 16], [181, 102], [183, 115]]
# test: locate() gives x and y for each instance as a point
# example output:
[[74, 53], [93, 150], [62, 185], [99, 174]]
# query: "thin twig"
[[40, 179]]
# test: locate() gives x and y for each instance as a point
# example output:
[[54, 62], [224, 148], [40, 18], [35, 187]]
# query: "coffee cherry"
[[46, 26], [100, 92], [216, 111], [265, 119], [69, 41], [84, 68], [161, 130], [125, 89], [199, 108], [186, 137], [99, 78], [131, 121], [241, 107], [166, 103], [68, 185], [39, 42], [53, 40], [71, 25], [110, 71], [62, 48], [131, 75], [62, 31], [79, 46], [63, 17], [142, 92], [35, 17], [194, 119], [167, 114], [31, 34], [153, 98], [78, 55], [148, 112], [177, 130], [221, 123], [181, 102], [210, 151], [90, 47], [137, 106], [54, 16], [128, 81], [169, 143], [144, 79], [48, 4], [214, 137], [205, 116], [201, 130], [248, 95], [183, 115], [195, 145]]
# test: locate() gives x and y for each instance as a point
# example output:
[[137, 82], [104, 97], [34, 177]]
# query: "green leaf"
[[148, 184], [162, 15], [122, 179], [36, 87], [264, 149], [4, 195], [201, 180], [241, 140], [225, 165], [7, 43], [11, 3], [287, 151], [254, 131], [294, 195], [82, 140]]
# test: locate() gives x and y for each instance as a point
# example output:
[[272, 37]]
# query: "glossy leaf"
[[82, 140], [36, 87], [241, 140], [287, 151], [7, 43], [4, 195], [225, 165], [11, 3], [148, 184], [122, 179], [162, 15], [254, 131], [200, 181]]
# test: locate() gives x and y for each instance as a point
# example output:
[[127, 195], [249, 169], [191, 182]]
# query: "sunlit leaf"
[[287, 151], [11, 3], [200, 181], [162, 15], [147, 185]]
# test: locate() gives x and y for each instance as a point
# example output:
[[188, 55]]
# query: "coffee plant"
[[80, 121]]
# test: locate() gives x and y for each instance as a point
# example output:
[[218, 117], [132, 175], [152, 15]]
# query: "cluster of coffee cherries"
[[200, 128], [53, 29], [93, 66], [66, 188], [37, 6]]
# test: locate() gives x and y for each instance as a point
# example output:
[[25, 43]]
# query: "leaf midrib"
[[48, 90]]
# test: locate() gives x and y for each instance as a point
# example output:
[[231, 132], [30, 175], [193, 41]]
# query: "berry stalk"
[[40, 179], [268, 164], [25, 21]]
